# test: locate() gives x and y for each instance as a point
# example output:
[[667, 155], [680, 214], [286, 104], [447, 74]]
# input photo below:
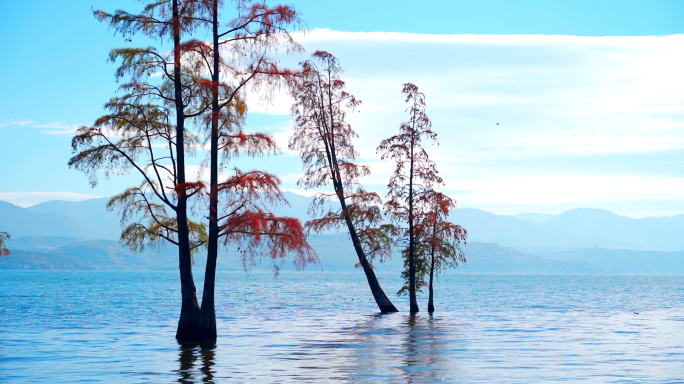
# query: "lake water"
[[69, 326]]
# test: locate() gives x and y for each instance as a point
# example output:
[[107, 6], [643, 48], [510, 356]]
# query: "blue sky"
[[587, 119]]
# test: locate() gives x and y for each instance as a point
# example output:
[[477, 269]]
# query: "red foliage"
[[194, 187], [256, 229], [431, 225]]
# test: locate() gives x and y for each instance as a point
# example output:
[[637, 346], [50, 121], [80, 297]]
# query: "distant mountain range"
[[83, 235], [582, 227], [335, 252]]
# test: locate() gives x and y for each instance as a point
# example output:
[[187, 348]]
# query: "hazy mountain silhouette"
[[579, 228], [616, 260], [85, 220], [658, 234], [335, 251], [538, 218], [512, 231]]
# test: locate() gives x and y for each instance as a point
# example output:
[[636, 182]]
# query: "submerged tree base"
[[206, 327], [187, 330]]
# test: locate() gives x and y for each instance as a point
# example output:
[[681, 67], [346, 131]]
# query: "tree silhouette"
[[413, 176], [324, 140], [4, 236], [145, 131], [239, 205]]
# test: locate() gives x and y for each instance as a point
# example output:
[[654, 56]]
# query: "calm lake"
[[79, 326]]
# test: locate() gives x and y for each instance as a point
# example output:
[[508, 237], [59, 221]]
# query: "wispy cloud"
[[58, 128], [53, 128], [16, 123], [512, 111]]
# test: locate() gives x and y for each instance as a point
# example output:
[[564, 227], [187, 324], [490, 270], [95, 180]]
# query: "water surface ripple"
[[94, 326]]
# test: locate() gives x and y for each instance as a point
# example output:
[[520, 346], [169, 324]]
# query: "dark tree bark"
[[431, 306], [381, 299], [187, 323], [243, 215], [207, 317]]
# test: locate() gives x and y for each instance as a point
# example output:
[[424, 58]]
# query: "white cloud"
[[16, 123], [53, 128], [27, 199], [58, 128], [554, 97]]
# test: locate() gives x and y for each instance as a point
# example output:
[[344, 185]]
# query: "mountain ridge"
[[580, 227]]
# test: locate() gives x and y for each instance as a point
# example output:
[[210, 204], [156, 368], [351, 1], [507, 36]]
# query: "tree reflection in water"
[[187, 360], [423, 349], [415, 348]]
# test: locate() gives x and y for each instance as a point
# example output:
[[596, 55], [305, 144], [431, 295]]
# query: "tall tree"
[[414, 175], [324, 140], [4, 236], [159, 112], [239, 205], [439, 239]]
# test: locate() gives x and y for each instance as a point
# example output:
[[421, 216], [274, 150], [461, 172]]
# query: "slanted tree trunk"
[[381, 299], [319, 129], [207, 317], [379, 295], [187, 323]]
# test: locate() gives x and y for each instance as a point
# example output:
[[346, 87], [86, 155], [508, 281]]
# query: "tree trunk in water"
[[381, 298], [207, 318], [431, 306], [187, 323], [207, 333]]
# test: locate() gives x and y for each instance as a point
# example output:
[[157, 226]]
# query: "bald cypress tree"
[[240, 57], [415, 174], [145, 132], [324, 140], [438, 245]]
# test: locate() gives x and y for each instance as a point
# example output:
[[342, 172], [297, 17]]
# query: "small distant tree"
[[240, 205], [324, 140], [414, 175], [439, 239], [4, 236]]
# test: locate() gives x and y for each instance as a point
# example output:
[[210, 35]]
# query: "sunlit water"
[[321, 326]]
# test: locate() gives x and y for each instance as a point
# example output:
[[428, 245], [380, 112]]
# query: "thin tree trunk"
[[431, 306], [207, 318], [379, 295], [187, 323], [412, 261]]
